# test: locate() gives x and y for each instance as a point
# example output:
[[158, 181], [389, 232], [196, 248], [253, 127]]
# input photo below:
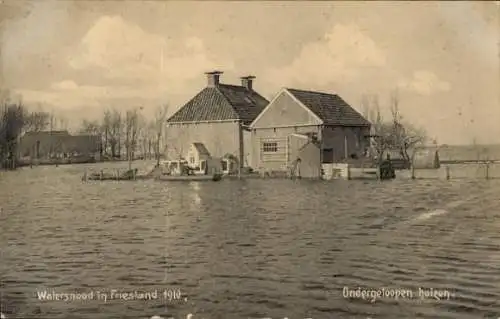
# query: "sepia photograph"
[[249, 159]]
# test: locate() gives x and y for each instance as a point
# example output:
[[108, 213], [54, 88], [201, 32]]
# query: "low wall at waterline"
[[454, 171]]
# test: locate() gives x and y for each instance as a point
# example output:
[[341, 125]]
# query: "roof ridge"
[[232, 85], [315, 92]]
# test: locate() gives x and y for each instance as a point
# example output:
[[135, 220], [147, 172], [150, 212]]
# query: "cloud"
[[124, 50], [123, 64], [341, 55], [67, 94], [425, 82], [65, 85]]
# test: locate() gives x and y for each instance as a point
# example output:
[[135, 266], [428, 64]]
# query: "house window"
[[269, 147], [191, 160]]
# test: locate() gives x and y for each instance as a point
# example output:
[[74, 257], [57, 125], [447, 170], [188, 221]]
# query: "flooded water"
[[248, 249]]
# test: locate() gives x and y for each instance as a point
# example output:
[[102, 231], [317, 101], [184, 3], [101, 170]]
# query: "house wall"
[[247, 149], [284, 156], [295, 144], [331, 138], [281, 118], [310, 165], [219, 138], [284, 110]]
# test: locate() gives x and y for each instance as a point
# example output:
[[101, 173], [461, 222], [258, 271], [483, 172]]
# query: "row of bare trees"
[[11, 126], [130, 133], [15, 119], [394, 134]]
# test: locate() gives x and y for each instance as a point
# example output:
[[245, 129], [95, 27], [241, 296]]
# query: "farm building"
[[58, 144], [296, 118], [217, 118]]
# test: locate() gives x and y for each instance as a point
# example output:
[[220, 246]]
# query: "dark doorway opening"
[[328, 155]]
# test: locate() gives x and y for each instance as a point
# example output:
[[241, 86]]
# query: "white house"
[[197, 156]]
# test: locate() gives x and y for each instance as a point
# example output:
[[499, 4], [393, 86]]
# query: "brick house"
[[218, 118], [296, 118]]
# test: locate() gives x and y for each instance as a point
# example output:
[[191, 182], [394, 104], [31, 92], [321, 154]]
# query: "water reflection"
[[270, 248], [195, 193]]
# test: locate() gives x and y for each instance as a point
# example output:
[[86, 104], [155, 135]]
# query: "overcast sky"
[[77, 58]]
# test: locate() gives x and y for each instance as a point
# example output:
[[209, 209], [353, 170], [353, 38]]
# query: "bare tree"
[[150, 138], [395, 134], [404, 136], [147, 136], [142, 133], [37, 121], [111, 130], [380, 130], [160, 119], [90, 127], [113, 123], [106, 127], [131, 132], [11, 126]]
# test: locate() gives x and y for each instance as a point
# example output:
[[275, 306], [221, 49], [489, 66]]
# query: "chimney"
[[247, 81], [213, 78]]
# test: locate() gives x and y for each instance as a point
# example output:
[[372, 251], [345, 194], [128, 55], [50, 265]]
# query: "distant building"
[[296, 118], [58, 144], [218, 118]]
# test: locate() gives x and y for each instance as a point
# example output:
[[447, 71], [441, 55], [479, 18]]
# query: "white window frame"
[[269, 147]]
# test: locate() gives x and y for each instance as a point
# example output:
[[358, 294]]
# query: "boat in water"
[[189, 178], [129, 175]]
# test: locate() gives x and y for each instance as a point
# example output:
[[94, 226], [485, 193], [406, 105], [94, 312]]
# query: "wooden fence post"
[[487, 170], [447, 172]]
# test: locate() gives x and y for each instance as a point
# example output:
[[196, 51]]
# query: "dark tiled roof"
[[330, 108], [202, 150], [58, 141], [44, 134], [224, 102]]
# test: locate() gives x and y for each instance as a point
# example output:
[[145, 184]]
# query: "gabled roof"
[[330, 108], [201, 149], [223, 102]]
